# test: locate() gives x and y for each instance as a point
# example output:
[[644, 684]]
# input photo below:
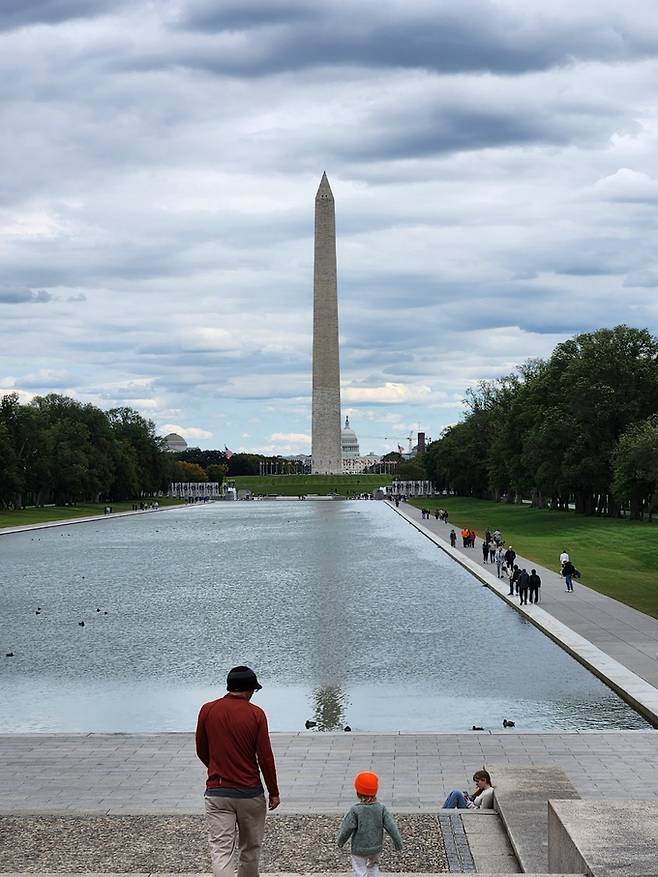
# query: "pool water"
[[347, 613]]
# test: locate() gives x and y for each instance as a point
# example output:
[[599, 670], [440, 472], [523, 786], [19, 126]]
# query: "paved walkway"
[[44, 525], [628, 636], [159, 773]]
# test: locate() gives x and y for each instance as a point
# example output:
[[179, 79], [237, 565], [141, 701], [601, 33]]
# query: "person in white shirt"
[[564, 557]]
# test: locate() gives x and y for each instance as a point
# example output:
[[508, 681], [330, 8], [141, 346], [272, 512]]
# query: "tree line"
[[577, 429], [55, 449]]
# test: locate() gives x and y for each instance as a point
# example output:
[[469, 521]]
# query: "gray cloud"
[[472, 36], [19, 13], [13, 295]]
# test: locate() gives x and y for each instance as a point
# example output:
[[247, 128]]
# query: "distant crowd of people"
[[522, 584], [439, 514]]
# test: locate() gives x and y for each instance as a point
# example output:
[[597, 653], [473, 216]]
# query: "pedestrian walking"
[[514, 580], [534, 586], [492, 552], [523, 583], [233, 741], [485, 552], [453, 538], [510, 557], [499, 557], [365, 823], [569, 572], [564, 557]]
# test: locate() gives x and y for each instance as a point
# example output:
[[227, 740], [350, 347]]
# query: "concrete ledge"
[[66, 522], [609, 838], [521, 797], [628, 685]]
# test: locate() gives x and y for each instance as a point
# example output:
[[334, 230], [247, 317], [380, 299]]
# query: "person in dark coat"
[[523, 584], [453, 538], [569, 571], [485, 551], [514, 580], [510, 557], [535, 585]]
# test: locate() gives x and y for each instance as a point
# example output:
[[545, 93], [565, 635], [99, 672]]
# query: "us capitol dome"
[[349, 442], [353, 462]]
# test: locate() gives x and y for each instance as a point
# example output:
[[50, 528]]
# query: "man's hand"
[[274, 802]]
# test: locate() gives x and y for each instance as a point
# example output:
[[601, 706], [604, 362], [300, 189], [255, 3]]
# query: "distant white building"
[[175, 443], [353, 462]]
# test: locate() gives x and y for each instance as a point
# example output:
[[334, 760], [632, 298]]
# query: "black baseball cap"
[[242, 679]]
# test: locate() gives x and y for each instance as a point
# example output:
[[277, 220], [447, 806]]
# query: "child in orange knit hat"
[[365, 823]]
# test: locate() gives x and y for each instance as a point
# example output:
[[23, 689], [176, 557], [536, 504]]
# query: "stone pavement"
[[628, 636], [159, 773]]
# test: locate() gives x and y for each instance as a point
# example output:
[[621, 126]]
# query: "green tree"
[[635, 467], [11, 481], [244, 464], [216, 472], [189, 472], [153, 467], [202, 458], [411, 470]]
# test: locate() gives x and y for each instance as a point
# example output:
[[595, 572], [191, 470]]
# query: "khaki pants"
[[230, 820]]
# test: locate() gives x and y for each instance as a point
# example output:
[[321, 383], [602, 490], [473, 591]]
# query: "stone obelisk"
[[325, 432]]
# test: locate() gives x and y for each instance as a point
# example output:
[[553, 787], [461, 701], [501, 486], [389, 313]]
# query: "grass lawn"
[[24, 517], [616, 557], [323, 485]]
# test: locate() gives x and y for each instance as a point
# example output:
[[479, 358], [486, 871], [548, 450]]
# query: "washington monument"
[[325, 432]]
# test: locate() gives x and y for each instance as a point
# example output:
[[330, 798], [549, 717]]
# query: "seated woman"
[[481, 798]]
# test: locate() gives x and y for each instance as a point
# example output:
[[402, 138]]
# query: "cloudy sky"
[[494, 165]]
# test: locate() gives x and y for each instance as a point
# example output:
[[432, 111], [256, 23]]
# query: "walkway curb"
[[642, 696], [66, 522]]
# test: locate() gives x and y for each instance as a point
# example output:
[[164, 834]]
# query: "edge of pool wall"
[[637, 692], [87, 519]]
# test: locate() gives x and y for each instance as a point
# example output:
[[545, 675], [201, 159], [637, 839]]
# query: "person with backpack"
[[569, 572]]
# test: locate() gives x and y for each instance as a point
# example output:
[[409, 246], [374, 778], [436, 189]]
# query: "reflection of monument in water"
[[329, 703], [325, 427]]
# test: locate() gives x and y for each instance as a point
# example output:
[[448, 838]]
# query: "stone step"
[[266, 874]]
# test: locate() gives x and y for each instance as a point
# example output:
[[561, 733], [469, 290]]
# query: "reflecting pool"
[[347, 613]]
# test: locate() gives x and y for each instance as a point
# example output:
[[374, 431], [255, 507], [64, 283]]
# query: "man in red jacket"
[[233, 741]]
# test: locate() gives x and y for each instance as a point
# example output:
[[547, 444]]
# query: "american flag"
[[228, 453], [400, 449]]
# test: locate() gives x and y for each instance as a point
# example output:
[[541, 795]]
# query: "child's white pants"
[[365, 866]]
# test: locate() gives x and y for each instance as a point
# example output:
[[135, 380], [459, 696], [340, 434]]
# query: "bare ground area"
[[178, 844]]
